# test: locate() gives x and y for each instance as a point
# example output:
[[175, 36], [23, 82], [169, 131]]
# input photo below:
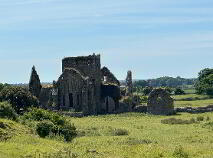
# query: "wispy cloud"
[[62, 13], [149, 34]]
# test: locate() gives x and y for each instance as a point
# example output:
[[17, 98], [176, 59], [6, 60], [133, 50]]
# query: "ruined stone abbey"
[[82, 86]]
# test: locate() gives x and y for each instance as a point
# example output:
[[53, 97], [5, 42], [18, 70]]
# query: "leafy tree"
[[204, 84], [18, 97]]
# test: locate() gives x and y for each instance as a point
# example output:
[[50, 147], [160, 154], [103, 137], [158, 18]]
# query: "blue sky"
[[152, 38]]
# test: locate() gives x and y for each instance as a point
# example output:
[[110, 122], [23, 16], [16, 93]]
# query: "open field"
[[117, 136], [192, 100], [196, 103], [190, 97]]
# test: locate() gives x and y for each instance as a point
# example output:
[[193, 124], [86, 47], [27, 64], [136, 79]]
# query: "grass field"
[[191, 97], [125, 135], [196, 103], [117, 136], [192, 100]]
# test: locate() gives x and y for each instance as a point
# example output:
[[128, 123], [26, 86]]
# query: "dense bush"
[[18, 97], [179, 91], [200, 118], [68, 130], [50, 123], [37, 114], [6, 111], [44, 128]]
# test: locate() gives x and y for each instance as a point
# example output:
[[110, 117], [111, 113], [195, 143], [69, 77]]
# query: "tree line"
[[165, 82]]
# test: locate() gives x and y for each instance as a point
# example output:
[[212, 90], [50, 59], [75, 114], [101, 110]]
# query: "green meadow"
[[127, 135], [192, 100], [116, 136]]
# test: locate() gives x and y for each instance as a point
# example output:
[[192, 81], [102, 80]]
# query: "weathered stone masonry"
[[81, 87]]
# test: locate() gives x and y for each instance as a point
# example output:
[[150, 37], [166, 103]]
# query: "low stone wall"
[[195, 109]]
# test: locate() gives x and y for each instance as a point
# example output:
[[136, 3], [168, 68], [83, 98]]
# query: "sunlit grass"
[[144, 136]]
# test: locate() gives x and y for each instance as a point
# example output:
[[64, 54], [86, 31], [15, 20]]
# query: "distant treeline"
[[165, 82]]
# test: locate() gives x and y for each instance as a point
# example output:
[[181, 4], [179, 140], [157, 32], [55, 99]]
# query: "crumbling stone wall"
[[108, 77], [160, 102], [74, 92], [85, 76], [110, 95], [34, 83], [80, 87]]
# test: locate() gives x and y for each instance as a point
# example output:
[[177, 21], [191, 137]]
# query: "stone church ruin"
[[83, 86]]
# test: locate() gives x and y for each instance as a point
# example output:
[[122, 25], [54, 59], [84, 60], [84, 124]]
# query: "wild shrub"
[[179, 91], [6, 111], [180, 153], [44, 128], [173, 121], [119, 132], [37, 114], [68, 130], [51, 123], [200, 118]]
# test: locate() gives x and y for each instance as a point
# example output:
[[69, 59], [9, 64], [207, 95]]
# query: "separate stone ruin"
[[129, 86], [160, 102], [34, 83]]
